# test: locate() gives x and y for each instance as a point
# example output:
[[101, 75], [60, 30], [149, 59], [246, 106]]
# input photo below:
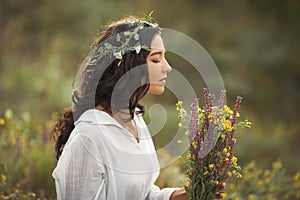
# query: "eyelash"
[[156, 61]]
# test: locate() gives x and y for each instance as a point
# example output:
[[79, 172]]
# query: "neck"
[[122, 115]]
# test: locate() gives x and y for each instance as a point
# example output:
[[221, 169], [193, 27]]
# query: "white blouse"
[[102, 160]]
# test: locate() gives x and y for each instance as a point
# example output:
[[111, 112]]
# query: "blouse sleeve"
[[79, 174], [157, 194]]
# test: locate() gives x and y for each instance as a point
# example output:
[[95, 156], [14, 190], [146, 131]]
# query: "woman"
[[103, 146]]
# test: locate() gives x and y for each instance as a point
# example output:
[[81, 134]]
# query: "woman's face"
[[158, 67]]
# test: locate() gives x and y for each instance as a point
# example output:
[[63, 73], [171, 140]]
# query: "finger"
[[228, 175], [219, 195], [223, 186]]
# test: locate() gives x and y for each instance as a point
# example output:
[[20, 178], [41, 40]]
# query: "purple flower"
[[211, 155], [222, 99], [209, 141], [193, 126]]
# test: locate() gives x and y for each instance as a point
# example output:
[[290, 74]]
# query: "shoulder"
[[80, 146], [94, 123]]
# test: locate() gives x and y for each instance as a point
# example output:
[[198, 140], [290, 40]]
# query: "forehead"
[[157, 43]]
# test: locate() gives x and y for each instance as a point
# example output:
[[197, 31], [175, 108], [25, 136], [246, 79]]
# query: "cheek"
[[150, 72], [154, 72]]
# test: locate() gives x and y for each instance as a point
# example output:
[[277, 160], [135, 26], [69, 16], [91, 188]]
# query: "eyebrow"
[[155, 53]]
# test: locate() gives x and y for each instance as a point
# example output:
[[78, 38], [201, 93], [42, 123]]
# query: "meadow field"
[[255, 45]]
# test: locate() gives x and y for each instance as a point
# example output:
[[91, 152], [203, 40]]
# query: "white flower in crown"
[[118, 55], [138, 49]]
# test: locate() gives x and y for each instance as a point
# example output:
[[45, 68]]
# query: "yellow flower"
[[217, 182], [239, 176], [179, 141], [252, 197], [234, 160], [296, 177], [201, 115], [227, 154], [228, 110], [188, 156], [179, 124], [206, 172], [2, 121], [247, 124], [194, 144], [266, 172], [179, 103], [211, 166], [223, 136], [277, 165], [180, 111], [209, 116], [227, 125], [225, 150], [267, 180], [251, 165], [13, 140], [186, 133], [3, 178]]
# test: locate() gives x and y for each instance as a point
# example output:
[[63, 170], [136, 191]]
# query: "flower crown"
[[131, 42]]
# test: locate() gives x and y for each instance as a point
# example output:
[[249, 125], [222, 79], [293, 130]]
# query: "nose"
[[166, 67]]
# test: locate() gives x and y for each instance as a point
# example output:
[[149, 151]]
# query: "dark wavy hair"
[[99, 80]]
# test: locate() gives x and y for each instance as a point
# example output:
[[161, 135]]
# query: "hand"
[[179, 194], [220, 193]]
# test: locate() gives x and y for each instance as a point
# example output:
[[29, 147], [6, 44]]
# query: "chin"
[[156, 89]]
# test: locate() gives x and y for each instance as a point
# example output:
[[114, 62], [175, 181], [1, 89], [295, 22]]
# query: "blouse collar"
[[94, 116]]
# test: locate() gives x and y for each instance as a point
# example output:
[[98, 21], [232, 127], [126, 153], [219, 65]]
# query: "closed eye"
[[155, 61]]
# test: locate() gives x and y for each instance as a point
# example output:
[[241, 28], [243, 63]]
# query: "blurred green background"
[[255, 45]]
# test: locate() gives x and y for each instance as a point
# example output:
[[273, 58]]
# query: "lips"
[[163, 80]]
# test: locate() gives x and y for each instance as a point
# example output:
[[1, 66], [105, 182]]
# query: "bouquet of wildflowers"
[[210, 158]]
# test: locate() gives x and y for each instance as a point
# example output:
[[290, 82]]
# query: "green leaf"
[[118, 37], [107, 45], [136, 36], [127, 33], [203, 189], [188, 191], [146, 47], [148, 17]]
